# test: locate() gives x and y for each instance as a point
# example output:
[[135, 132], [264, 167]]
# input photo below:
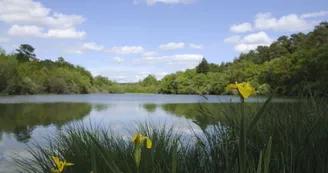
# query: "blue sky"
[[125, 40]]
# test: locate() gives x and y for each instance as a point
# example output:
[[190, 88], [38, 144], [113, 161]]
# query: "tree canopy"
[[203, 66], [23, 73]]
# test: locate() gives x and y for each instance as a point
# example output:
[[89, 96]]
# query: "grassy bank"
[[279, 138]]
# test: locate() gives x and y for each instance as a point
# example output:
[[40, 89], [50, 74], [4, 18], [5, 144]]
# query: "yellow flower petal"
[[136, 138], [56, 160], [62, 166], [231, 86], [245, 89], [53, 170], [148, 143], [69, 164]]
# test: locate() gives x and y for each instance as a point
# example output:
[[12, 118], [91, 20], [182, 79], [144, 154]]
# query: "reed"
[[273, 138]]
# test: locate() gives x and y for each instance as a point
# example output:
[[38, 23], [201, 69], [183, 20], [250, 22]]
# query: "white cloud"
[[265, 21], [244, 48], [257, 38], [69, 33], [124, 75], [196, 46], [26, 31], [92, 46], [232, 39], [252, 41], [36, 31], [72, 51], [4, 40], [125, 50], [149, 53], [152, 2], [80, 49], [239, 28], [160, 75], [289, 23], [142, 75], [118, 59], [315, 14], [134, 70], [172, 46], [174, 59], [34, 13], [59, 20]]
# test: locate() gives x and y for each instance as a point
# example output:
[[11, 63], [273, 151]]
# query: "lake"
[[27, 119]]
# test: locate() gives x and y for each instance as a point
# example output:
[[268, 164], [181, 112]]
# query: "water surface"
[[28, 119]]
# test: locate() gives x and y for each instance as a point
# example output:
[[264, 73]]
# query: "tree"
[[202, 67], [149, 80], [214, 68], [25, 53], [8, 74], [199, 84], [169, 84], [2, 52]]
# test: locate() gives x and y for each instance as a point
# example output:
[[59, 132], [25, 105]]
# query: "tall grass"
[[279, 138]]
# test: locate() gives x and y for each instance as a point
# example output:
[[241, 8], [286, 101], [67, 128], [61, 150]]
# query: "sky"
[[125, 40]]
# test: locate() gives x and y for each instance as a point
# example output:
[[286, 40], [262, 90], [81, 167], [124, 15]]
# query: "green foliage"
[[149, 80], [290, 63], [23, 73], [203, 66]]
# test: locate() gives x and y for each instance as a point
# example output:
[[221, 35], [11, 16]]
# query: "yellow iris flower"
[[245, 89], [139, 139], [60, 165]]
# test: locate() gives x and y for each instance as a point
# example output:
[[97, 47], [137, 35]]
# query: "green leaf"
[[261, 112], [109, 162], [259, 166], [267, 156], [174, 158]]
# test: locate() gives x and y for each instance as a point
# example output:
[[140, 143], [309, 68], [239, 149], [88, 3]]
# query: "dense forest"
[[292, 63], [23, 73]]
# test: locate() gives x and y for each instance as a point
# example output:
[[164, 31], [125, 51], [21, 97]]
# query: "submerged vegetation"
[[290, 63]]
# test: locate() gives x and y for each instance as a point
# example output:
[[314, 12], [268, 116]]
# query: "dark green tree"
[[203, 66], [25, 52]]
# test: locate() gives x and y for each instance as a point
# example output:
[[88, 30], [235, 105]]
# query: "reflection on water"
[[24, 123], [100, 107], [22, 119], [19, 123], [149, 107]]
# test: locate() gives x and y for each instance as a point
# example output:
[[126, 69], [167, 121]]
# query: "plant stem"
[[242, 139]]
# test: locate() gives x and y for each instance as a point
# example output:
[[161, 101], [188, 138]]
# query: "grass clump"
[[278, 138]]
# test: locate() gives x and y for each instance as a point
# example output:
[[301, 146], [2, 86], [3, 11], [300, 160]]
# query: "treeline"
[[23, 73], [293, 63]]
